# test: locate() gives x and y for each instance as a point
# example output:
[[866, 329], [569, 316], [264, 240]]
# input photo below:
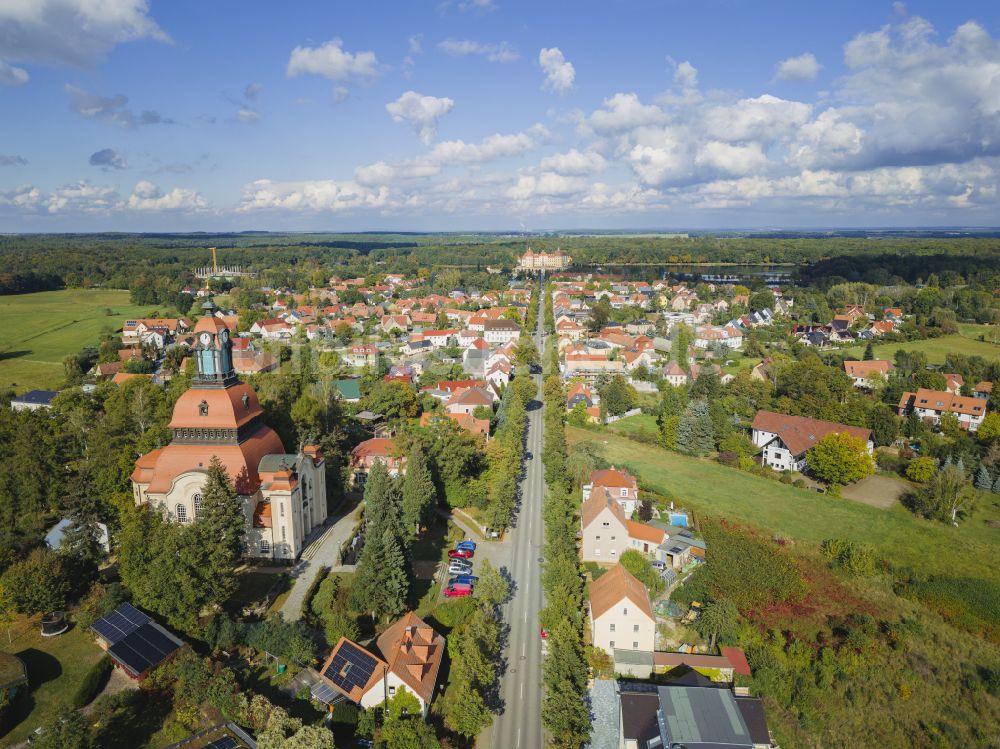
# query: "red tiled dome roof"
[[226, 409]]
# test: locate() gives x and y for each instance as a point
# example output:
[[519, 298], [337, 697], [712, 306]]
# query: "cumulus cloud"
[[331, 61], [82, 197], [624, 112], [416, 44], [559, 72], [246, 115], [12, 160], [147, 196], [315, 195], [72, 32], [805, 67], [107, 159], [420, 112], [12, 76], [498, 52], [686, 75], [574, 163], [113, 110]]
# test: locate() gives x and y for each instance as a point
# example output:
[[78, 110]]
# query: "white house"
[[930, 405], [785, 440], [621, 616]]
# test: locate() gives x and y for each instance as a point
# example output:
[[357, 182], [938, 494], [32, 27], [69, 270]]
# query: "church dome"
[[216, 408]]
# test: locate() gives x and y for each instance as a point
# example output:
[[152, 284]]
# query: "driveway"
[[322, 551], [878, 491]]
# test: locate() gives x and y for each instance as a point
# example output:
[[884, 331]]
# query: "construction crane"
[[215, 264]]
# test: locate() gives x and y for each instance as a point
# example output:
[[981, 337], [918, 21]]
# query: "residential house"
[[468, 400], [363, 457], [953, 383], [362, 355], [501, 331], [621, 616], [862, 372], [711, 335], [983, 389], [33, 400], [785, 440], [620, 483], [409, 657], [931, 405], [604, 527]]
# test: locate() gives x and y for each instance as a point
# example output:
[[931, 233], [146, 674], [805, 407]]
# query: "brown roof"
[[644, 532], [377, 447], [471, 397], [613, 477], [691, 660], [414, 652], [355, 693], [800, 433], [599, 499], [613, 586], [226, 409], [942, 400], [866, 368]]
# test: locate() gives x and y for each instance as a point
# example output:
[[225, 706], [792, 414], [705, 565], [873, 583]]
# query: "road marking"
[[519, 735], [522, 690]]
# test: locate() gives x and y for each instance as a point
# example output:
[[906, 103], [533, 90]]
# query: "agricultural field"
[[803, 515], [38, 330], [966, 342]]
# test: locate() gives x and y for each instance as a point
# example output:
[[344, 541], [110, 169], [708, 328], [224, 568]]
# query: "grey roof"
[[37, 397], [702, 716], [604, 715], [634, 657], [270, 463]]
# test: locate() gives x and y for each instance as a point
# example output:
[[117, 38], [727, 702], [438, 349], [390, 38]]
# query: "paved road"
[[520, 725]]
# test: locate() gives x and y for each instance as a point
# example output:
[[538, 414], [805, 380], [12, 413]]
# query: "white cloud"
[[686, 75], [498, 52], [252, 91], [331, 61], [731, 159], [12, 76], [546, 184], [624, 112], [72, 32], [148, 197], [763, 118], [559, 72], [574, 163], [805, 67], [82, 197], [421, 112], [416, 44], [867, 48], [314, 195], [247, 115]]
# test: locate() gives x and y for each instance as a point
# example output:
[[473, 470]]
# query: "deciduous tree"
[[840, 458]]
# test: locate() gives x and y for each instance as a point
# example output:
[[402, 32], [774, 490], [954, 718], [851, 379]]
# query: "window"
[[612, 644], [606, 524], [612, 626], [281, 509], [265, 547], [597, 552], [624, 492], [635, 627], [597, 538], [392, 691], [197, 504], [635, 645], [282, 533], [625, 611], [182, 513], [614, 552]]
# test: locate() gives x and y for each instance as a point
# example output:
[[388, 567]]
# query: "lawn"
[[898, 536], [56, 668], [38, 330], [967, 342]]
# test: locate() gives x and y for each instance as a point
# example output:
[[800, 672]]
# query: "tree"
[[220, 529], [921, 469], [681, 337], [946, 495], [492, 587], [761, 300], [983, 479], [840, 458], [639, 566], [600, 313], [564, 672], [407, 733], [383, 504], [394, 400], [695, 435], [526, 352], [381, 582], [718, 620], [578, 415], [869, 354], [69, 731], [645, 511], [884, 424], [37, 584], [989, 430], [419, 494], [618, 396]]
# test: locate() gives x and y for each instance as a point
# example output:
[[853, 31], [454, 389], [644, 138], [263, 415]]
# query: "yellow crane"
[[215, 264]]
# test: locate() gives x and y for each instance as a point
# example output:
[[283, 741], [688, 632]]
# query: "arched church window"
[[203, 408], [182, 513], [197, 504]]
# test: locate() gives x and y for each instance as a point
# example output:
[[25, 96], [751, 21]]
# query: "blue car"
[[470, 545], [463, 580]]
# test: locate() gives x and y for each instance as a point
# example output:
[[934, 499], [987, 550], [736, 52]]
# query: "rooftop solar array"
[[120, 623], [226, 742], [325, 693], [351, 667], [135, 641]]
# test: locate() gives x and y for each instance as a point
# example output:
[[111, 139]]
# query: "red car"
[[457, 592], [545, 635], [461, 553]]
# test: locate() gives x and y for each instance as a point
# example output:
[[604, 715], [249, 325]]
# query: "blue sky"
[[495, 114]]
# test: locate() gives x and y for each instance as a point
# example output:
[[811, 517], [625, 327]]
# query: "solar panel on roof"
[[226, 742], [351, 667], [120, 623], [325, 693]]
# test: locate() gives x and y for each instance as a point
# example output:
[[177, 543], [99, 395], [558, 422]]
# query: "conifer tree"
[[983, 479], [695, 435], [220, 532], [869, 352], [381, 582], [419, 494], [382, 503]]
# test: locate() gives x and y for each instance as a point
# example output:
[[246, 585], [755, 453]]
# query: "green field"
[[965, 342], [799, 514], [38, 330]]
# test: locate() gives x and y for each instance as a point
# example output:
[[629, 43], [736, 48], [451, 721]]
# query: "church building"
[[283, 495]]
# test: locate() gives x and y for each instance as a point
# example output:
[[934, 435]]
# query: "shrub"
[[93, 682], [921, 469]]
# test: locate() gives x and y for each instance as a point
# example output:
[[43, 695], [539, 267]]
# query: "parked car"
[[461, 553], [491, 533], [466, 544], [452, 592], [459, 567], [544, 633], [656, 564], [463, 580]]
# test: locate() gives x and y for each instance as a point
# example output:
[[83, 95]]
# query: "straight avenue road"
[[520, 725]]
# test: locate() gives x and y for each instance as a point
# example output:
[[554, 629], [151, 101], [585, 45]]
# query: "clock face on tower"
[[206, 338]]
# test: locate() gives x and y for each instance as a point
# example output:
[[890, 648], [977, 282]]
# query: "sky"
[[455, 115]]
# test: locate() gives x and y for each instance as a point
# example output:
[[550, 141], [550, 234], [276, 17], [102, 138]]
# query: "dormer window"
[[246, 402], [203, 408]]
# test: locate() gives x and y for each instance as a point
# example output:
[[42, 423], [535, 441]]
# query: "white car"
[[459, 567]]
